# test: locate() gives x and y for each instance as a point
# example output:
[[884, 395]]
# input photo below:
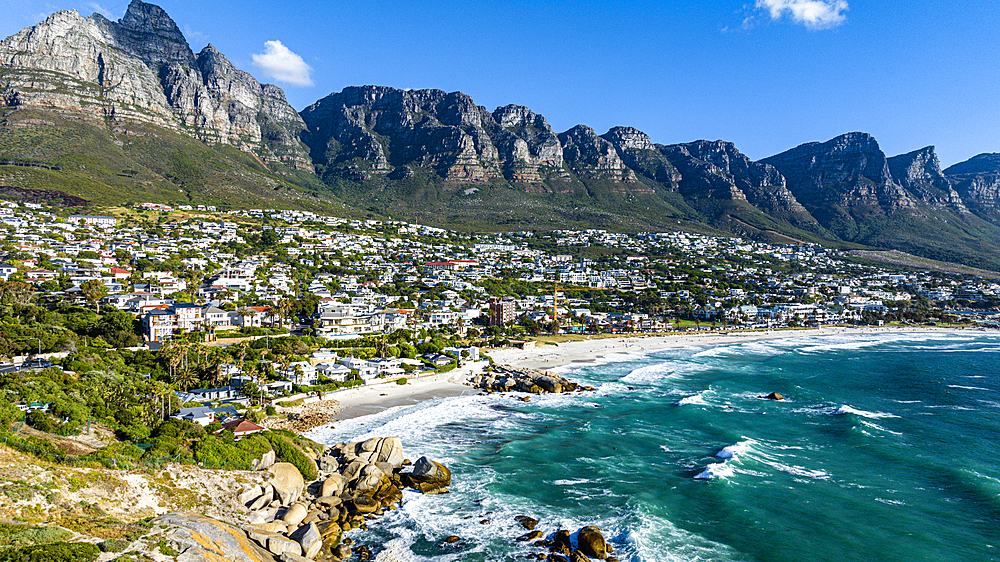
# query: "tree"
[[15, 292], [94, 290]]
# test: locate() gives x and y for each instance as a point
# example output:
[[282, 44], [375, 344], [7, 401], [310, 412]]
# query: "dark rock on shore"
[[591, 542], [506, 378]]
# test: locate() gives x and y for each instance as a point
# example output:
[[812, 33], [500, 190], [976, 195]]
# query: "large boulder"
[[247, 496], [309, 539], [333, 485], [265, 462], [591, 542], [528, 523], [295, 515], [278, 545], [377, 450], [328, 464], [201, 538], [550, 384], [264, 500], [429, 477], [370, 479], [561, 541], [288, 483]]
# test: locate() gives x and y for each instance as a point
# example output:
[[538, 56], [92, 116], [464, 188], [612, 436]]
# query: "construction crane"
[[555, 297]]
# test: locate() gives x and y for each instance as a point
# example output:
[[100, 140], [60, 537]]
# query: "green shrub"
[[181, 430], [21, 535], [42, 421], [56, 552], [255, 445], [270, 410], [286, 451], [117, 451], [401, 381], [216, 451], [9, 414]]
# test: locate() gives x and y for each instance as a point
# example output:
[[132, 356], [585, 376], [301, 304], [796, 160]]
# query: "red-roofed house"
[[241, 428], [119, 273]]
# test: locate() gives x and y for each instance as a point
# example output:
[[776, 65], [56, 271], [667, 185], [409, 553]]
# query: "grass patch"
[[56, 552], [21, 535]]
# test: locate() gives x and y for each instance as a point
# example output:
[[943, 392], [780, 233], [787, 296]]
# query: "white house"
[[6, 270]]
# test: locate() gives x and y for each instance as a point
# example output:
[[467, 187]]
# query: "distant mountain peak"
[[141, 69]]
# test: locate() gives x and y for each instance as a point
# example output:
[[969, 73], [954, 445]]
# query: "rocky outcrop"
[[202, 539], [639, 153], [363, 131], [586, 544], [506, 378], [530, 150], [718, 170], [919, 172], [428, 476], [977, 181], [367, 480], [141, 68], [593, 158]]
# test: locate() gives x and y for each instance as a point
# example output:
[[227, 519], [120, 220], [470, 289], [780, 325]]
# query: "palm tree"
[[247, 312], [186, 377], [284, 307]]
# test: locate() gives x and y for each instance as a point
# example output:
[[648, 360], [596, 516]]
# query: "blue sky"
[[767, 75]]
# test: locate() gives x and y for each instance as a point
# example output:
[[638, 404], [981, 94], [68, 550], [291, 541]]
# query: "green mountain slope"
[[114, 163]]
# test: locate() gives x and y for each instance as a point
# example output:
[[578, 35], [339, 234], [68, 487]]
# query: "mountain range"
[[122, 112]]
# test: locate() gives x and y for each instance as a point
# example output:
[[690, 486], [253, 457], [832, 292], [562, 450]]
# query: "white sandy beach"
[[369, 399], [549, 356], [372, 398]]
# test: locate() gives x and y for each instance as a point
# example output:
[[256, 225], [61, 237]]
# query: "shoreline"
[[547, 356], [371, 399]]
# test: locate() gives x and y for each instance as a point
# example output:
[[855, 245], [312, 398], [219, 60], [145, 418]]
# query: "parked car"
[[37, 364]]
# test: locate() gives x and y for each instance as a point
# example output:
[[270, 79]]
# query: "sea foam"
[[735, 450], [845, 409], [717, 470], [698, 399]]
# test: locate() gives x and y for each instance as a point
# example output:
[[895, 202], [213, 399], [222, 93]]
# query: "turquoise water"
[[885, 449]]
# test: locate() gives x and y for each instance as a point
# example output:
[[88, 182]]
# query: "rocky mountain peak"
[[141, 68], [919, 172], [977, 183], [986, 163], [849, 171], [148, 33], [717, 170], [628, 138], [517, 116], [593, 157]]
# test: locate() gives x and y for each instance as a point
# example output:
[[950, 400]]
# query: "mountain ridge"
[[78, 95]]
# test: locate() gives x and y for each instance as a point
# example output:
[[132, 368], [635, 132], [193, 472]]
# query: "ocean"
[[885, 448]]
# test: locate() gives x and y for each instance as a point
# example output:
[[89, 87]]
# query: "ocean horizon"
[[882, 449]]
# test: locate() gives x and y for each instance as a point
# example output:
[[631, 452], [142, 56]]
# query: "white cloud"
[[194, 35], [100, 10], [814, 14], [281, 64]]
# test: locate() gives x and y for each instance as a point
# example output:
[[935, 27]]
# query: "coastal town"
[[216, 337], [201, 275]]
